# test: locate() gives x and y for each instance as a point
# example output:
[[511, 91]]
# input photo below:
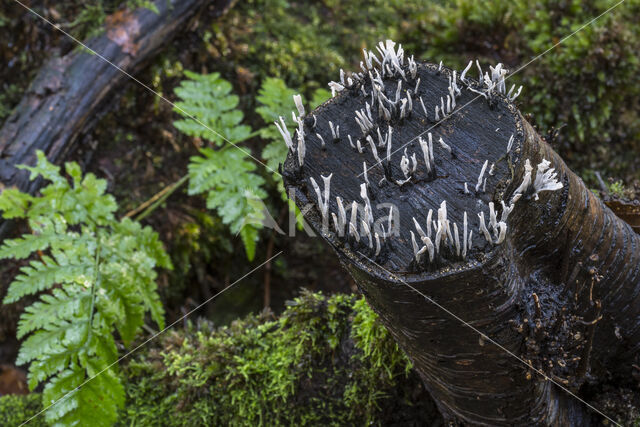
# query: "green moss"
[[587, 87], [325, 360], [88, 20], [306, 43], [620, 191], [15, 409]]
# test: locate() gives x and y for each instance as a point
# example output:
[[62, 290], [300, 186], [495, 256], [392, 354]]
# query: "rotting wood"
[[550, 272]]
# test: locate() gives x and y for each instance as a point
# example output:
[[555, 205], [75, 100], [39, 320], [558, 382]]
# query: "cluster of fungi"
[[379, 158], [460, 225]]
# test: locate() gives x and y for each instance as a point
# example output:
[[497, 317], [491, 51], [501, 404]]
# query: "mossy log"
[[488, 222], [70, 93]]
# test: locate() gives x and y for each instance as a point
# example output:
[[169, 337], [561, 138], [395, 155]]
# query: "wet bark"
[[561, 292], [70, 93]]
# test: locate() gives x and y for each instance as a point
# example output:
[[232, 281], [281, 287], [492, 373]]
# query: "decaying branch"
[[70, 93], [469, 206]]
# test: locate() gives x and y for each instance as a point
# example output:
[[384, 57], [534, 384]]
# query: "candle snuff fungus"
[[440, 187], [386, 104]]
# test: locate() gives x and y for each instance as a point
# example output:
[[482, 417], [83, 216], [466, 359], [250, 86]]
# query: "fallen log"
[[464, 229], [70, 92]]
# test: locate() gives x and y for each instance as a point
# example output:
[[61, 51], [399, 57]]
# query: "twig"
[[581, 371], [149, 206], [94, 285], [603, 186], [267, 273], [267, 266]]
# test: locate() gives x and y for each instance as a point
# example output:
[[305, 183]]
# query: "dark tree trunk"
[[561, 291], [69, 93]]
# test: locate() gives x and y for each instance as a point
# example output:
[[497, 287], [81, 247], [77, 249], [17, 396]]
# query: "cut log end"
[[450, 167], [432, 152]]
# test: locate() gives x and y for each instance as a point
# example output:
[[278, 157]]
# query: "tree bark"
[[561, 291], [71, 92]]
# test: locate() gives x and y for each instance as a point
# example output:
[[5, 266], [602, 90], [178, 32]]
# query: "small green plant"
[[618, 190], [95, 276], [227, 175]]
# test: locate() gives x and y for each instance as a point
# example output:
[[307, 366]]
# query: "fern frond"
[[226, 174], [14, 203], [147, 240], [22, 247], [91, 202], [249, 235], [42, 369], [43, 342], [44, 168], [123, 303], [60, 304], [208, 98], [41, 275], [134, 278], [96, 403], [226, 187], [56, 392], [152, 302], [132, 317], [93, 278], [226, 177]]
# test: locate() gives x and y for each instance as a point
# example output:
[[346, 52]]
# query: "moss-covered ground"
[[324, 361]]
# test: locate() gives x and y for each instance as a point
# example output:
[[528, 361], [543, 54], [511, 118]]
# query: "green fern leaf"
[[56, 397], [41, 369], [226, 177], [41, 275], [208, 98], [146, 240], [96, 403], [152, 302], [93, 279], [14, 203], [48, 171], [320, 96], [249, 236], [58, 304], [133, 318], [42, 343], [223, 175], [21, 248]]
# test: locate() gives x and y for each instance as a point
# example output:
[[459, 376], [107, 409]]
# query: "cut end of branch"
[[426, 186]]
